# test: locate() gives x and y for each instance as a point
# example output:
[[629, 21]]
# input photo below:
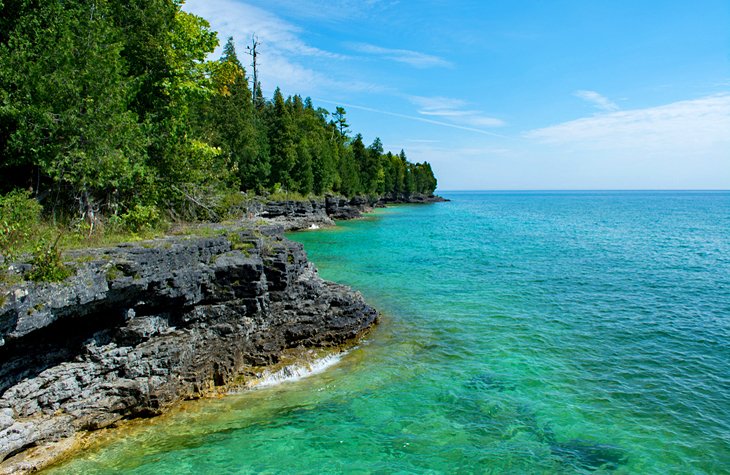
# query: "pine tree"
[[283, 153], [341, 121], [371, 170], [231, 120]]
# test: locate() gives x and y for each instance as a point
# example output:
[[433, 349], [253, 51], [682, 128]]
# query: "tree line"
[[107, 105]]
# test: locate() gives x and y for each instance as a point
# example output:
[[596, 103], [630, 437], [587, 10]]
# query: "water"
[[523, 333]]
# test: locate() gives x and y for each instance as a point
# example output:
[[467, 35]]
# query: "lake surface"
[[560, 332]]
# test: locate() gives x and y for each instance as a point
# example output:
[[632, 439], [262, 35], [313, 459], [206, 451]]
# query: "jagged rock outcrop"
[[320, 212], [141, 326], [415, 198], [339, 207]]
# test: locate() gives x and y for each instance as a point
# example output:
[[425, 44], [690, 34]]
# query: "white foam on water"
[[297, 371]]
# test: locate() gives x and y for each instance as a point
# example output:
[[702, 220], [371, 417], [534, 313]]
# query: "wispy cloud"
[[409, 117], [598, 100], [454, 110], [286, 59], [693, 125], [412, 58]]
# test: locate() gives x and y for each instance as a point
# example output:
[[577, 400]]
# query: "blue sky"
[[521, 94]]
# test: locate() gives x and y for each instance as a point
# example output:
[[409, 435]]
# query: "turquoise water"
[[522, 333]]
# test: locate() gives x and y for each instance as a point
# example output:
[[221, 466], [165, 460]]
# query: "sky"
[[510, 95]]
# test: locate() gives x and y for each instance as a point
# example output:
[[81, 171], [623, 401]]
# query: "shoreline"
[[323, 212], [220, 332]]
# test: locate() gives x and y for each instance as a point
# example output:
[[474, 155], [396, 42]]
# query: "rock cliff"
[[139, 327]]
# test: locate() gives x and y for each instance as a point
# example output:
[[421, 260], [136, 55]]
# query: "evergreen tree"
[[389, 173], [302, 176], [341, 121], [113, 104], [409, 180], [372, 171], [283, 153], [231, 122], [349, 173], [65, 99], [359, 154]]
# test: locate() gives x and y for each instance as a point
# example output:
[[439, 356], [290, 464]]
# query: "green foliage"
[[230, 122], [47, 265], [232, 205], [141, 218], [110, 106], [281, 195], [66, 99], [19, 216], [238, 244], [281, 142], [340, 121], [113, 273]]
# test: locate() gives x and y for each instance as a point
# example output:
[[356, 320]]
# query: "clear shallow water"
[[523, 333]]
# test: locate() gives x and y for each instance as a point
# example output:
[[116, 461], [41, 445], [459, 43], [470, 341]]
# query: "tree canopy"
[[105, 106]]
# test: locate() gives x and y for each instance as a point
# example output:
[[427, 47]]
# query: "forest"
[[113, 111]]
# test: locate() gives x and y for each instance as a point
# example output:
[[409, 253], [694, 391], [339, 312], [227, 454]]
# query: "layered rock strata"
[[295, 215], [139, 327]]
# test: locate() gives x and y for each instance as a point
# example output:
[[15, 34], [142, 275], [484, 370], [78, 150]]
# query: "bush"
[[47, 264], [281, 195], [140, 218], [233, 205], [19, 216]]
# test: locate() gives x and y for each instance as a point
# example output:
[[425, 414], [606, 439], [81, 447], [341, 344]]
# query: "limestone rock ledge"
[[142, 326], [321, 212]]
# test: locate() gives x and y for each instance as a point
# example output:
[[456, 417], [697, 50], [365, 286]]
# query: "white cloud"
[[454, 110], [598, 100], [408, 117], [282, 49], [694, 126], [412, 58]]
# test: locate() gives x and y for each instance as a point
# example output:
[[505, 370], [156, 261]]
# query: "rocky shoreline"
[[140, 327], [322, 212]]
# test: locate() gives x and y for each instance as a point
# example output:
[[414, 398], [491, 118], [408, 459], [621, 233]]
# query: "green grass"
[[48, 261]]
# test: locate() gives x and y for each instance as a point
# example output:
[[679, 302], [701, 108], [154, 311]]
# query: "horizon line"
[[576, 189]]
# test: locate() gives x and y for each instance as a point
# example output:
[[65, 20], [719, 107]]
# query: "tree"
[[252, 51], [409, 180], [341, 121], [108, 105], [302, 176], [281, 142], [65, 101], [349, 173], [187, 167], [372, 172], [231, 123], [389, 173]]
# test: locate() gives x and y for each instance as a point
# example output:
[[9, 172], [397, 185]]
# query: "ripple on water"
[[524, 333]]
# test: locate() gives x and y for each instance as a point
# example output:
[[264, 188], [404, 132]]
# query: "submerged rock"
[[142, 326], [590, 456]]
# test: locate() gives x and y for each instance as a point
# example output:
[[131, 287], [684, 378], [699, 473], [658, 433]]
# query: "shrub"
[[280, 195], [141, 217], [19, 215], [47, 264], [232, 205]]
